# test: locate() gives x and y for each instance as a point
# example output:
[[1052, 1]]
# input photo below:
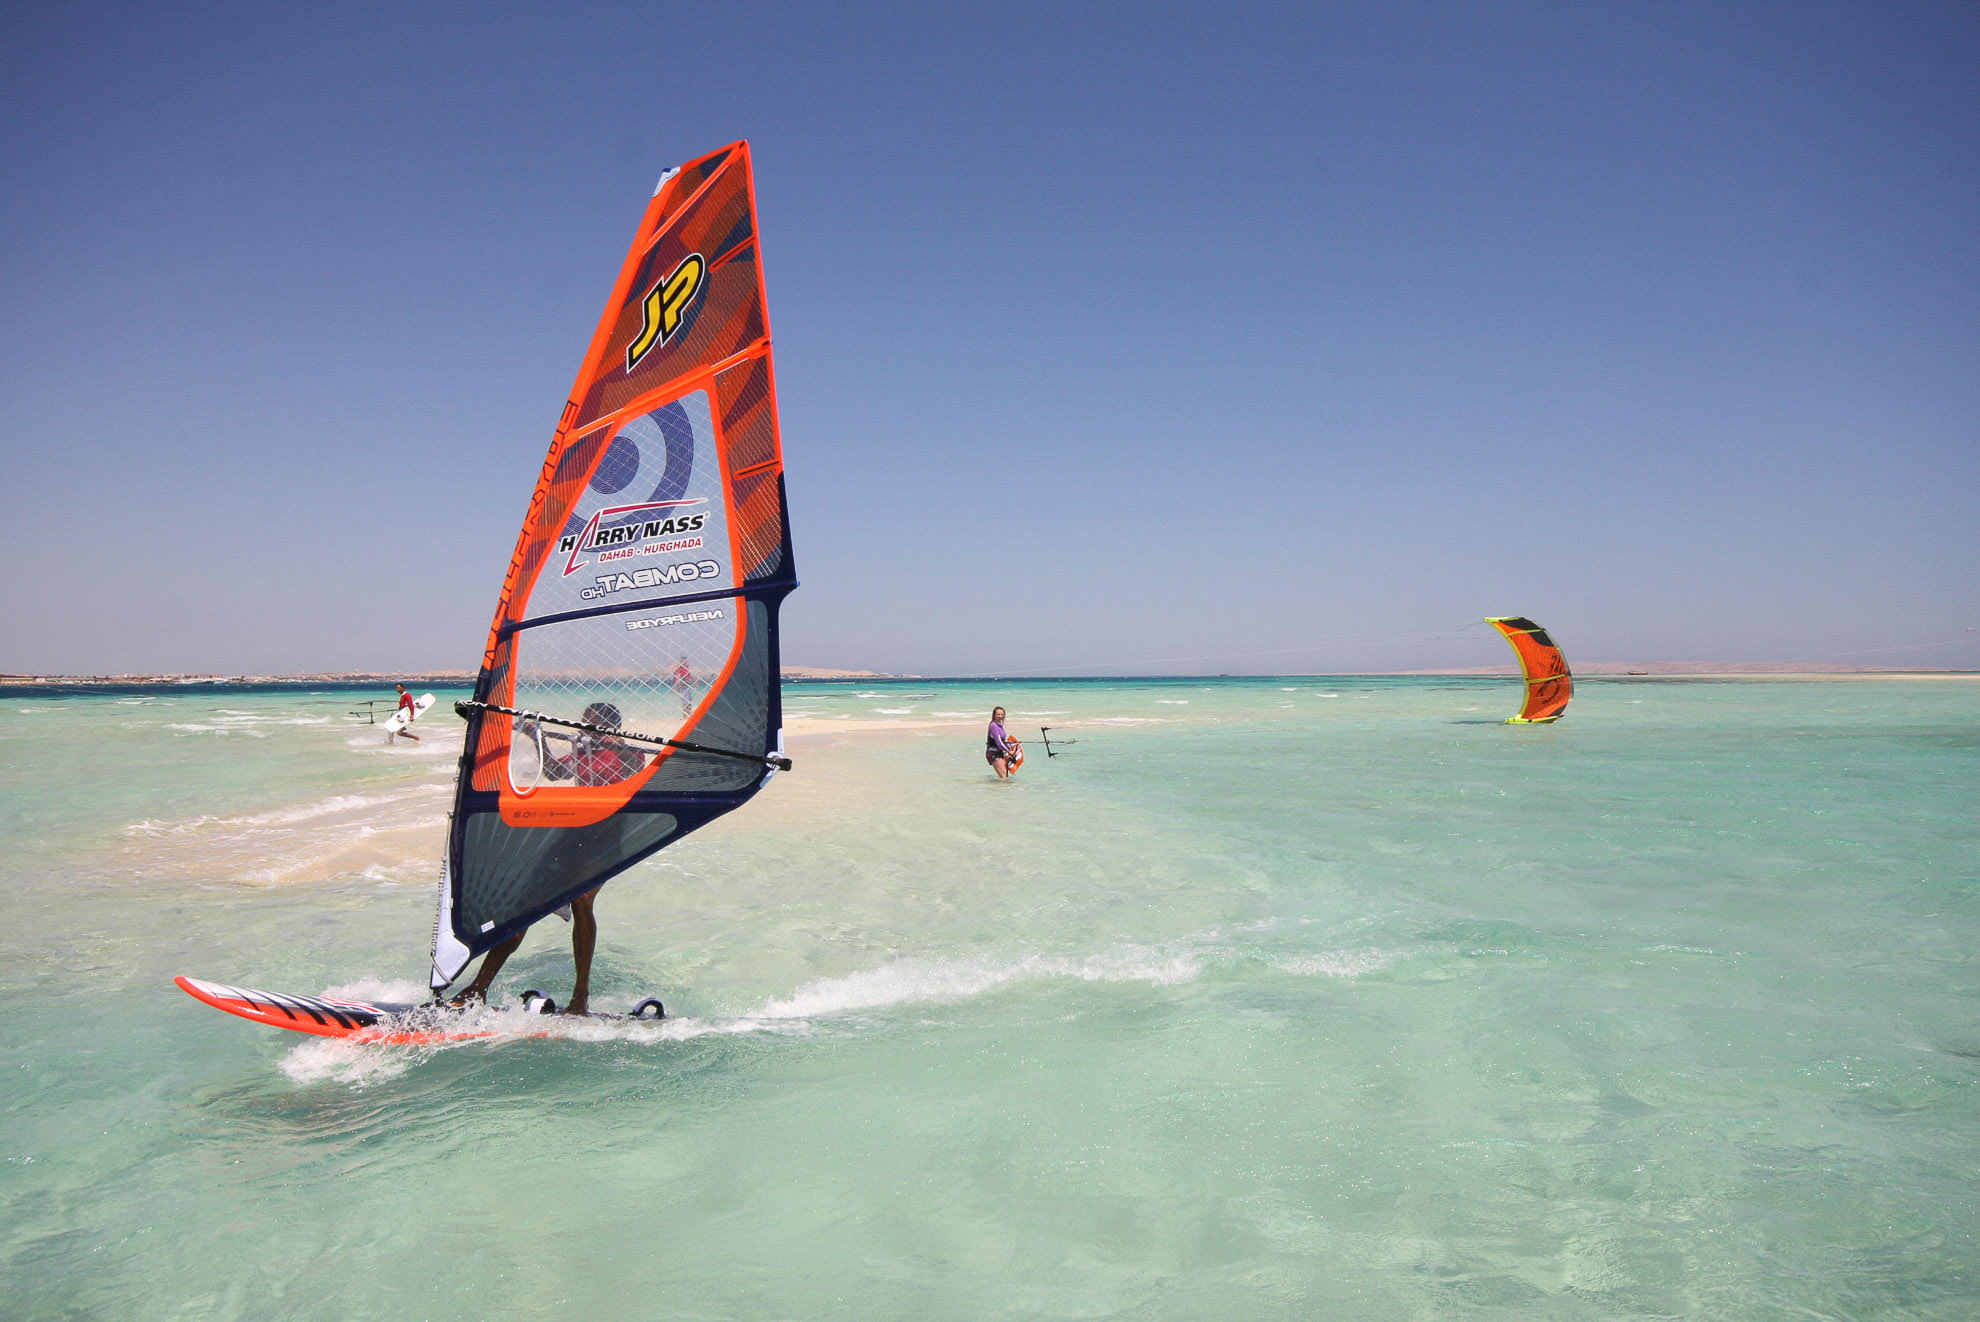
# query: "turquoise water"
[[1288, 998]]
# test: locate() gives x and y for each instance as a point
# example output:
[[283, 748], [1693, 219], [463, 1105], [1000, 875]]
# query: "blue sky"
[[1248, 338]]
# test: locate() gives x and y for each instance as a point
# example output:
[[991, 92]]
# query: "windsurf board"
[[384, 1022]]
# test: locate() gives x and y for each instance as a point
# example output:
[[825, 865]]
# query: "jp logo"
[[664, 306]]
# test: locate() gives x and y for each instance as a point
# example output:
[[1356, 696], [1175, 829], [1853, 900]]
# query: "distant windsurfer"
[[408, 709], [998, 747], [682, 682]]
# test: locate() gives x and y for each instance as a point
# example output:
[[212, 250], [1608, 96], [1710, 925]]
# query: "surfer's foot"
[[576, 1007], [472, 996]]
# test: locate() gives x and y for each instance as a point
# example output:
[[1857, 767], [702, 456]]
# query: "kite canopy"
[[1548, 683]]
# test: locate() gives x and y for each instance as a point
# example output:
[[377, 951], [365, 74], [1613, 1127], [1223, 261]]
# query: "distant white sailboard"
[[401, 718]]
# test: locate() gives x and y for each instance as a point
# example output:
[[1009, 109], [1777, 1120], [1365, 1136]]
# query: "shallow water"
[[1278, 998]]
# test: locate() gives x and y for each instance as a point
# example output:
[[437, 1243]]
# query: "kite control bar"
[[775, 760]]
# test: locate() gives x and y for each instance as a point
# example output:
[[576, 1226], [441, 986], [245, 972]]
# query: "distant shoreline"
[[412, 679], [815, 674]]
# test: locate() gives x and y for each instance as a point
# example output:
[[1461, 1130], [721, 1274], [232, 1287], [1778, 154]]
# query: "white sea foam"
[[895, 711], [903, 982], [1337, 963], [379, 990], [420, 870], [1173, 702], [381, 835], [149, 827], [329, 1060], [337, 805], [916, 981]]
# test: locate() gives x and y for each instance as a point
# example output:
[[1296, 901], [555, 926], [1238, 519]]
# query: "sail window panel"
[[742, 716], [655, 666]]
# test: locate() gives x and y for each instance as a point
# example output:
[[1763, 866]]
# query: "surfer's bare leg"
[[584, 940], [491, 964]]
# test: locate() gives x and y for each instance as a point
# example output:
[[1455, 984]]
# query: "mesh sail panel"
[[743, 715], [600, 671]]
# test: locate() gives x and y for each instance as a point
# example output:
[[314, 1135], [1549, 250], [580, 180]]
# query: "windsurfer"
[[594, 759], [997, 746], [543, 815], [410, 710]]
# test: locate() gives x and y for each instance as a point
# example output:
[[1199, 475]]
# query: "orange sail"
[[628, 693], [1548, 683]]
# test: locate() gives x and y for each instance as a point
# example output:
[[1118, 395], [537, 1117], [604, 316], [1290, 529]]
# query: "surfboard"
[[397, 720], [383, 1022]]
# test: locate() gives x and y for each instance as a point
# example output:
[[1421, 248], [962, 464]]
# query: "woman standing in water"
[[999, 749]]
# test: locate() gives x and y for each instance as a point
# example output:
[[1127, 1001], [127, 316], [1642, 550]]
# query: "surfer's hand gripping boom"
[[775, 760]]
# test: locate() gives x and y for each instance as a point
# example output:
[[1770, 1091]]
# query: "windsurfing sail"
[[628, 693], [1548, 683]]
